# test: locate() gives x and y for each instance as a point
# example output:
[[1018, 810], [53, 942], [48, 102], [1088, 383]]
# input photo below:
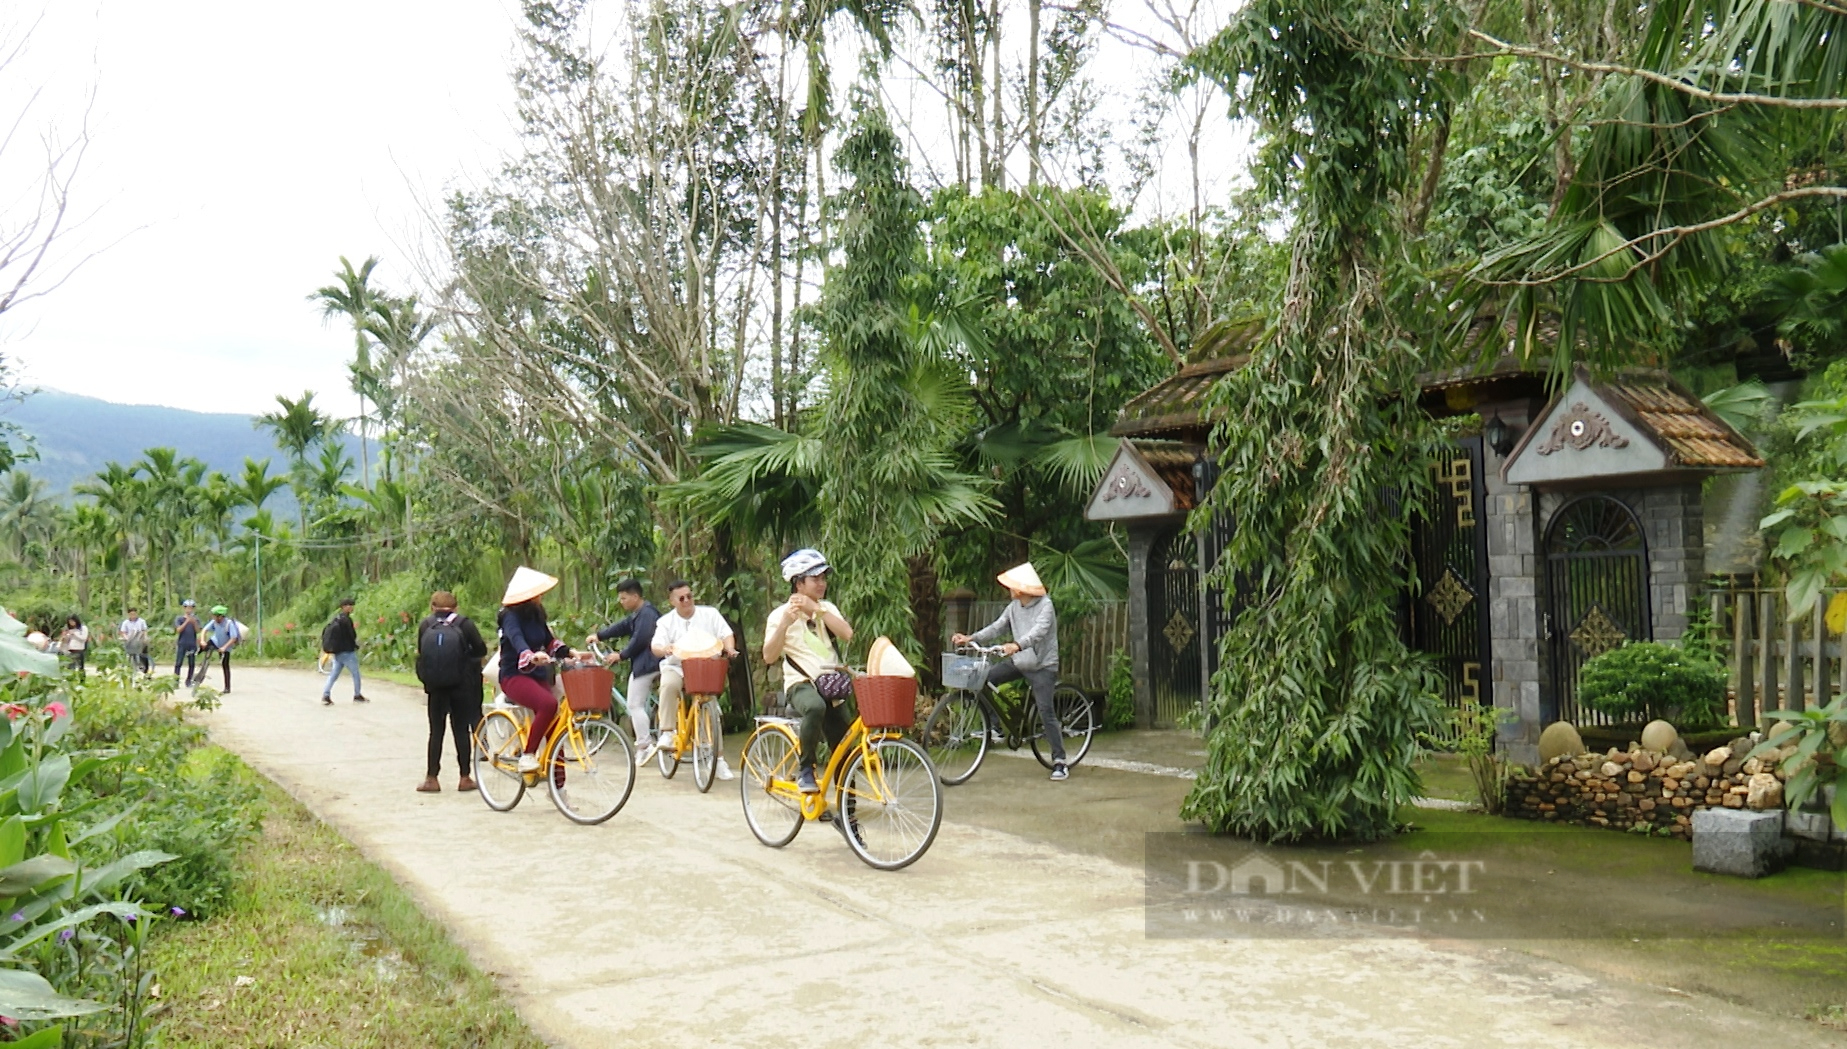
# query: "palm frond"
[[1741, 406], [1078, 462]]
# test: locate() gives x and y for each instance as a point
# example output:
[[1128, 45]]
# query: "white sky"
[[239, 149]]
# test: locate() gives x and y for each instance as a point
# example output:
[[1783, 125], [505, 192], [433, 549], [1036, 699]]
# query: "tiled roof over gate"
[[1177, 405], [1687, 429]]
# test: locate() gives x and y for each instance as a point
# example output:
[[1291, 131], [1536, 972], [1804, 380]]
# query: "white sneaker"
[[724, 770], [564, 797], [646, 753], [529, 763]]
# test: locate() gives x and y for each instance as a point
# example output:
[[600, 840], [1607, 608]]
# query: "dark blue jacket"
[[523, 629], [638, 627]]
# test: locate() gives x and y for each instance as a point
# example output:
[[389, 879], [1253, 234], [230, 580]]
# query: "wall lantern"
[[1500, 436]]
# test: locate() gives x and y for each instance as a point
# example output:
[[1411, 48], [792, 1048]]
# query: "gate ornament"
[[1449, 597], [1597, 633], [1580, 428], [1179, 632], [1125, 485]]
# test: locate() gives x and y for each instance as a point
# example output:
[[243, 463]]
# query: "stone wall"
[[1517, 672], [1642, 789]]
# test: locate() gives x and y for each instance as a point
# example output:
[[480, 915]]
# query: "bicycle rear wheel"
[[892, 804], [599, 772], [499, 740], [1077, 722], [705, 745], [956, 736], [766, 779]]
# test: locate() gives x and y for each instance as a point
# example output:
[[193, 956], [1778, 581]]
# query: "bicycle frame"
[[684, 724], [564, 729], [856, 741], [986, 697]]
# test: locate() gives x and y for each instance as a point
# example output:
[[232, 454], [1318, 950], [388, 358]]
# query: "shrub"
[[1645, 680], [1120, 710]]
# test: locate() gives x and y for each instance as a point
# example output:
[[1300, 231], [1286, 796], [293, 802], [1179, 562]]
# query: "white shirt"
[[673, 626], [134, 631], [810, 648]]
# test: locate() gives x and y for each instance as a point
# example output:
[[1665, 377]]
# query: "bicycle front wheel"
[[705, 746], [667, 757], [766, 778], [598, 765], [499, 740], [891, 802], [1077, 722], [956, 736]]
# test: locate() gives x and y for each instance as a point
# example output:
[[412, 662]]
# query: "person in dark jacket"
[[340, 640], [644, 666], [449, 655], [527, 650]]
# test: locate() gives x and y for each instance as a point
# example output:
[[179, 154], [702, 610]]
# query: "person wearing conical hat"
[[527, 650], [1032, 654]]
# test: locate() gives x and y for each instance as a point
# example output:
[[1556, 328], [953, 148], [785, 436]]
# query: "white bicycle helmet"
[[803, 562]]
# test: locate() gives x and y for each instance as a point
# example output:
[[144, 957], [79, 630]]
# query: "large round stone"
[[1658, 736], [1560, 737]]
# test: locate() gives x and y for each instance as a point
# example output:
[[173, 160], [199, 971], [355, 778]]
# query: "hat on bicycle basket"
[[803, 562], [526, 584], [1023, 579]]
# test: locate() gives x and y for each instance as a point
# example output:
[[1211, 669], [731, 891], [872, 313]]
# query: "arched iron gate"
[[1173, 625], [1596, 593]]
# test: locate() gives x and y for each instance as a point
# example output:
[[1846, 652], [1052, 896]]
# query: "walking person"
[[221, 635], [74, 641], [186, 639], [802, 634], [527, 649], [1032, 654], [644, 666], [340, 640], [134, 635], [685, 618], [449, 655]]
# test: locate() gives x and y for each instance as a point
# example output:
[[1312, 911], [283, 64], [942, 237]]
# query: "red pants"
[[537, 698]]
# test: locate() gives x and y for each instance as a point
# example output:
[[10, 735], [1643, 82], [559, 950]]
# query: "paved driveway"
[[671, 926]]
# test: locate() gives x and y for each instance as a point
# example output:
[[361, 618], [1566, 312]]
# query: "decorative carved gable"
[[1130, 488]]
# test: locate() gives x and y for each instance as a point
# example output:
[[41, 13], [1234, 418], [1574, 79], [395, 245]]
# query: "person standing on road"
[[134, 635], [644, 667], [527, 650], [685, 618], [801, 634], [75, 641], [221, 635], [449, 655], [340, 639], [1032, 654], [186, 639]]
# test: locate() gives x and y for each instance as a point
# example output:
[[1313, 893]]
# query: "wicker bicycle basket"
[[964, 672], [588, 688], [886, 702], [705, 677]]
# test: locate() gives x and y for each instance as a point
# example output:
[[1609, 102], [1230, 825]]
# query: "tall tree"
[[353, 298]]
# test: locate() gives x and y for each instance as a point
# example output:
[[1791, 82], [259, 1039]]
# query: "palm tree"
[[173, 489], [256, 485], [87, 527], [400, 326], [26, 514], [119, 494], [298, 427], [352, 297]]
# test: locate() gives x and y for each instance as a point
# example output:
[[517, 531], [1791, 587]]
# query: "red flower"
[[381, 619], [13, 710], [288, 626], [57, 709]]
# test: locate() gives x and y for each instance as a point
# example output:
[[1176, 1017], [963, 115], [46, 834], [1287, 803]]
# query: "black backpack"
[[327, 638], [442, 653]]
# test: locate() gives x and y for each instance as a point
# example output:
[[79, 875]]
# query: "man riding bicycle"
[[801, 633], [685, 618], [1033, 652]]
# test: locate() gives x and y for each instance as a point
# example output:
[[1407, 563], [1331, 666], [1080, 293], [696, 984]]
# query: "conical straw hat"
[[527, 584], [697, 644], [1023, 579]]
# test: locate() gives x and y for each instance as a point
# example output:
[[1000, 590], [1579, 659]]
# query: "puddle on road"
[[364, 941]]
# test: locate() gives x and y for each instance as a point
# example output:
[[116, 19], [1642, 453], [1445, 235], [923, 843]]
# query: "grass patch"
[[1446, 776], [338, 954]]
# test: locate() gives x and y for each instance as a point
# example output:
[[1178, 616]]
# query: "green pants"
[[818, 717]]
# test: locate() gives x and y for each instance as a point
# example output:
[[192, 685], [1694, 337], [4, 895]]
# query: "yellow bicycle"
[[879, 787], [588, 761], [697, 737]]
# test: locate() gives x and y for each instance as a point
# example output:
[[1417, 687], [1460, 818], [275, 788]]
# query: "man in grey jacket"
[[1032, 654]]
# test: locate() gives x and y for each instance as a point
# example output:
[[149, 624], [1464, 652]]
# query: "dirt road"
[[671, 926]]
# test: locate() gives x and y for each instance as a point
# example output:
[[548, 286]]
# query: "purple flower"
[[131, 917], [18, 916], [178, 912], [64, 935]]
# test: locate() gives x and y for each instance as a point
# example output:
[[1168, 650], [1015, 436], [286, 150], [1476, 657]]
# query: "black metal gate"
[[1173, 625], [1596, 594], [1449, 546]]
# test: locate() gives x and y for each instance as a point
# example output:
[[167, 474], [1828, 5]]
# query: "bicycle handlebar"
[[980, 650]]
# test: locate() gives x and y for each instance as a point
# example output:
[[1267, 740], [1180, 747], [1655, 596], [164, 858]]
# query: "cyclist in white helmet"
[[802, 633]]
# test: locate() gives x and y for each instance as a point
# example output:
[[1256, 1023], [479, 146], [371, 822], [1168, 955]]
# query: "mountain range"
[[75, 436]]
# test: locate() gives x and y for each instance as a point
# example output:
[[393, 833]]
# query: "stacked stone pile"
[[1647, 790]]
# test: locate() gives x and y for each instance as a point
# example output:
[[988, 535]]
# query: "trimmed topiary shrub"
[[1645, 680]]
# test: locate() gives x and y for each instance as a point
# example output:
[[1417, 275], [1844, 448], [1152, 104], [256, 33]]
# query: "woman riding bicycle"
[[801, 634], [1033, 652], [527, 650]]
